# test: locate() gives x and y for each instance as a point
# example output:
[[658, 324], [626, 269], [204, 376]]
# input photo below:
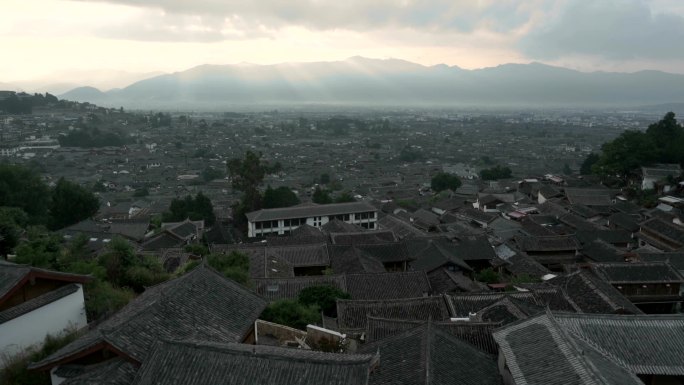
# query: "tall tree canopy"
[[23, 188], [197, 208], [496, 173], [279, 197], [443, 181], [662, 142], [71, 204], [247, 174]]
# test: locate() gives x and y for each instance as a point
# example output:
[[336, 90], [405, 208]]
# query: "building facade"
[[282, 221]]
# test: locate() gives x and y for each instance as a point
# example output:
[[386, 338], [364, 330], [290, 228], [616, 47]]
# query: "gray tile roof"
[[115, 371], [429, 355], [478, 334], [347, 259], [462, 304], [209, 363], [591, 294], [539, 351], [12, 275], [409, 284], [309, 210], [637, 272], [352, 313], [363, 238], [37, 302], [644, 344], [548, 243], [200, 304]]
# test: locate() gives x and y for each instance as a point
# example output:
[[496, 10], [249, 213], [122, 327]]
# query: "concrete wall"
[[53, 318]]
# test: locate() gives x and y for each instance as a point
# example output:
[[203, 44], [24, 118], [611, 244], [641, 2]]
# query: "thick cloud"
[[357, 15], [612, 29]]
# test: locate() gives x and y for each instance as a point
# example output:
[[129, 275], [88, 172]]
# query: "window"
[[272, 288]]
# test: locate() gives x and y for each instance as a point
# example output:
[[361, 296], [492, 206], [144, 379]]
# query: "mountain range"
[[362, 81]]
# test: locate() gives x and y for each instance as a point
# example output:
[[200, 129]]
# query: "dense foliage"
[[14, 369], [321, 196], [22, 189], [197, 208], [234, 265], [444, 181], [496, 173], [662, 142], [246, 175], [89, 137], [279, 197], [291, 313], [71, 204], [324, 297]]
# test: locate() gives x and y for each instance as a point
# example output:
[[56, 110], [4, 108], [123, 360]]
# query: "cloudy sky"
[[76, 40]]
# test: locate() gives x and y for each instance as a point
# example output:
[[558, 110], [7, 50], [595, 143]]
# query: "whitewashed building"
[[282, 221], [37, 302]]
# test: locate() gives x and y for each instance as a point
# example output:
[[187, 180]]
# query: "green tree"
[[324, 178], [23, 188], [495, 173], [444, 181], [291, 313], [71, 204], [324, 297], [12, 222], [246, 175], [667, 136], [321, 196], [345, 197], [588, 163], [40, 249], [624, 154], [197, 208], [234, 265], [566, 169], [279, 197]]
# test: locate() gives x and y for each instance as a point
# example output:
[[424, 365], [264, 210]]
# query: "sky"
[[109, 43]]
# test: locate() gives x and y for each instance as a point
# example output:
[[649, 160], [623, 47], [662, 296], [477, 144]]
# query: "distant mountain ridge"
[[363, 81]]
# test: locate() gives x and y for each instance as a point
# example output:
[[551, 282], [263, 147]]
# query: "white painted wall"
[[53, 318]]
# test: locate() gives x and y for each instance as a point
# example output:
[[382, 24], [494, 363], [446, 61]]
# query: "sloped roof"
[[347, 259], [538, 351], [37, 302], [199, 304], [644, 344], [592, 294], [209, 363], [402, 229], [478, 334], [363, 237], [115, 371], [600, 251], [588, 196], [462, 304], [338, 226], [289, 288], [428, 355], [409, 284], [672, 233], [351, 314], [637, 272], [609, 236], [624, 221], [13, 276], [309, 210], [548, 243], [431, 254]]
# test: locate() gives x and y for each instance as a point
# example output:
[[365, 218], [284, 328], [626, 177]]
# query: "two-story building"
[[282, 221]]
